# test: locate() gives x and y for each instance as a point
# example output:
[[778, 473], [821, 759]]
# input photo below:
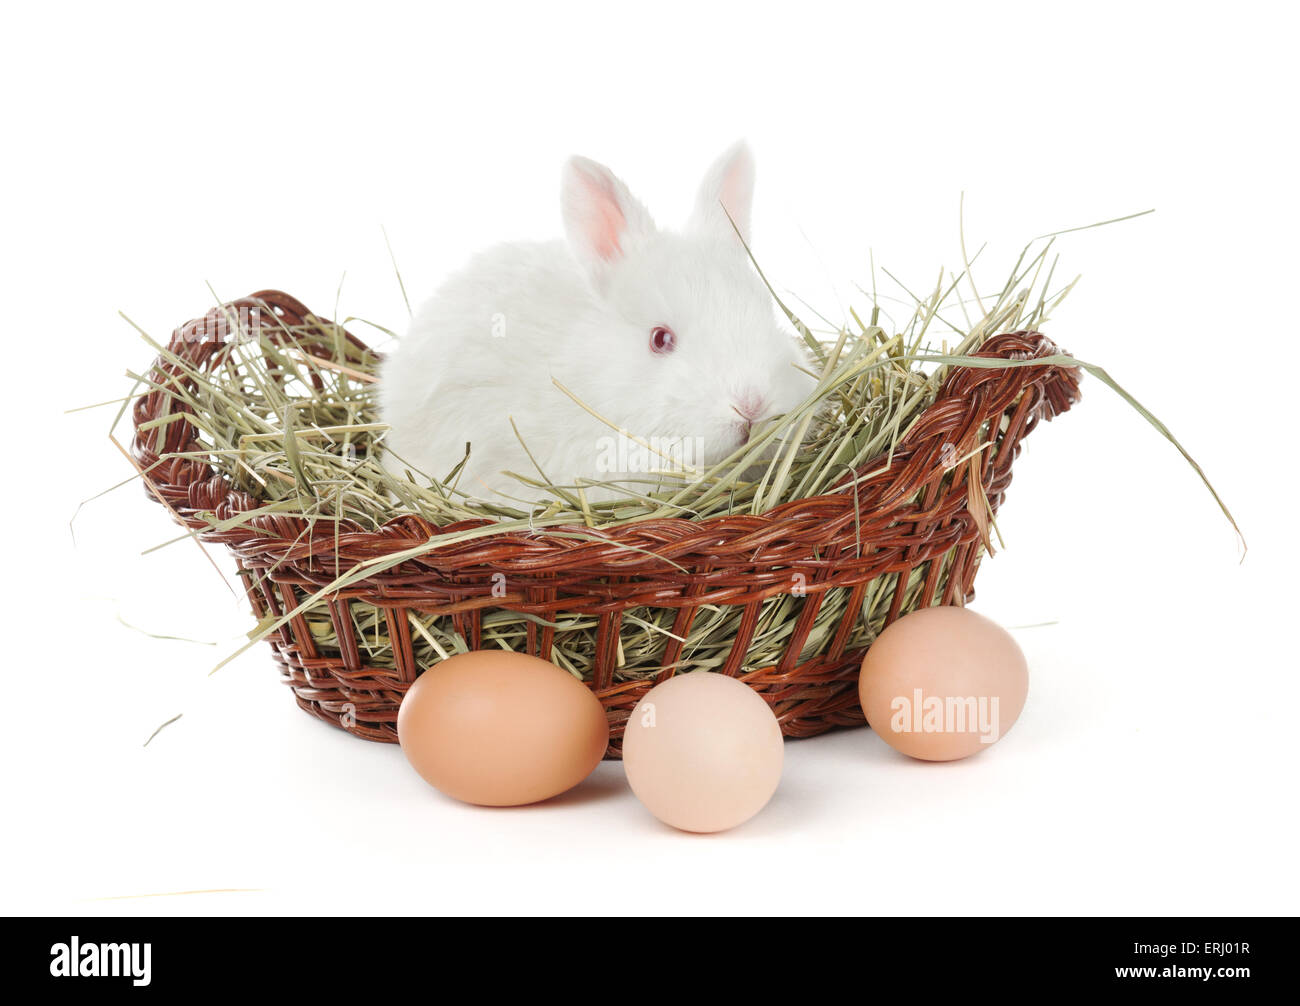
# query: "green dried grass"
[[315, 455]]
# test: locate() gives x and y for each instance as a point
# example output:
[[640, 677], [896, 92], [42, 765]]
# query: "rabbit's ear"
[[727, 191], [602, 219]]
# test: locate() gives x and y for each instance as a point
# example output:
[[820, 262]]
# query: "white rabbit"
[[670, 336]]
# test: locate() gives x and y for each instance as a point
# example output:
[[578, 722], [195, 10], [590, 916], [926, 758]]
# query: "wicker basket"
[[906, 539]]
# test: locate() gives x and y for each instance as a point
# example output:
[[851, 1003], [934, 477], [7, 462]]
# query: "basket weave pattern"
[[912, 528]]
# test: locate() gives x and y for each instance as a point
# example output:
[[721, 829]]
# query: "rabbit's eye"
[[662, 340]]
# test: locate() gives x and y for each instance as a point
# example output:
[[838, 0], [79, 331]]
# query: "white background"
[[149, 151]]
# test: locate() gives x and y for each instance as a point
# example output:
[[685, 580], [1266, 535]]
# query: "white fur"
[[486, 347]]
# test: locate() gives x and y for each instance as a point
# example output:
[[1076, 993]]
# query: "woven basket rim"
[[190, 487]]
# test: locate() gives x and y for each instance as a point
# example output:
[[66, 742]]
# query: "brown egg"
[[943, 683], [703, 752], [501, 729]]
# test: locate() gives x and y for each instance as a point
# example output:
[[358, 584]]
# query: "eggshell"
[[703, 752], [943, 683], [501, 729]]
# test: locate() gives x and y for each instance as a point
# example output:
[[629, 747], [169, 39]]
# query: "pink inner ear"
[[733, 193], [605, 222]]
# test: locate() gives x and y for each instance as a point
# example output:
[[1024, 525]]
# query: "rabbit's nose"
[[749, 405]]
